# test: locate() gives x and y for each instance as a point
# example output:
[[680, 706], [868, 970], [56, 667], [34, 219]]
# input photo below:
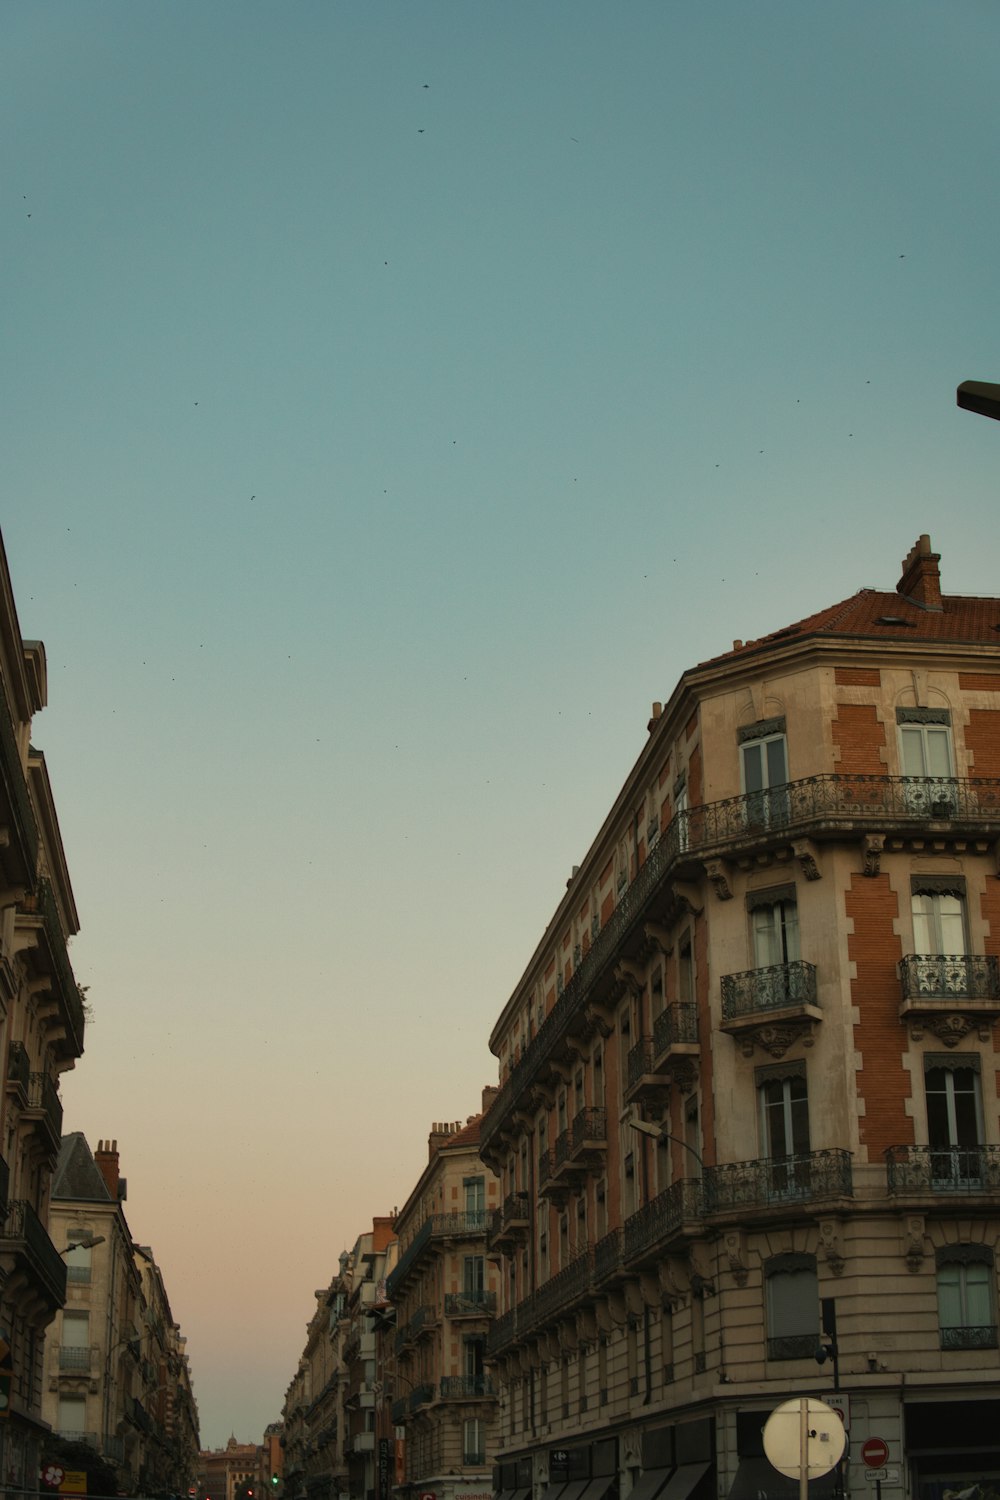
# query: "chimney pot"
[[920, 581]]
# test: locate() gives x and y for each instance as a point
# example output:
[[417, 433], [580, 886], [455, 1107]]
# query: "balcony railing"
[[19, 1066], [608, 1256], [942, 1169], [16, 787], [776, 987], [508, 1221], [468, 1225], [828, 805], [465, 1387], [43, 1096], [477, 1304], [662, 1218], [676, 1025], [75, 1358], [793, 1346], [969, 1338], [950, 977], [74, 1435], [421, 1395], [23, 1232], [399, 1410], [813, 1177], [565, 1286]]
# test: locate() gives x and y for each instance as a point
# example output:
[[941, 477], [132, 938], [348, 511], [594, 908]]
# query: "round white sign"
[[816, 1444]]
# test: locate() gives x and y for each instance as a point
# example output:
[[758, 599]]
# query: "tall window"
[[792, 1306], [72, 1416], [966, 1305], [784, 1128], [938, 908], [74, 1347], [474, 1277], [78, 1260], [473, 1441], [475, 1198], [774, 919], [681, 812], [764, 767], [925, 755], [954, 1119]]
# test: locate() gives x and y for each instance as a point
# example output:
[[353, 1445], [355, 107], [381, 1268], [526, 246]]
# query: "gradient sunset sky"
[[396, 398]]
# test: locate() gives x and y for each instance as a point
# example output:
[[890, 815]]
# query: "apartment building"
[[748, 1105], [443, 1289], [117, 1377], [41, 1036], [329, 1415]]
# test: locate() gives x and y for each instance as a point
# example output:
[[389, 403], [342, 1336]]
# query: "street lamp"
[[649, 1127], [979, 396], [83, 1242]]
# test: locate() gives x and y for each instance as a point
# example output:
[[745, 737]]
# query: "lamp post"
[[649, 1127], [979, 396]]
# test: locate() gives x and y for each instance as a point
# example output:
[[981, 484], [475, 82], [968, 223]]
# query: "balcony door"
[[925, 753], [764, 764], [475, 1202], [774, 918], [954, 1123], [784, 1125]]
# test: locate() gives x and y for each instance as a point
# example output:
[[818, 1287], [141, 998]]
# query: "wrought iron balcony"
[[421, 1395], [23, 1236], [794, 1346], [773, 1182], [459, 1226], [676, 1029], [563, 1289], [478, 1304], [932, 981], [19, 1069], [820, 807], [399, 1410], [45, 1107], [609, 1253], [644, 1082], [20, 858], [465, 1387], [969, 1338], [662, 1220], [589, 1136], [778, 987], [971, 1170], [509, 1223], [75, 1358], [50, 959]]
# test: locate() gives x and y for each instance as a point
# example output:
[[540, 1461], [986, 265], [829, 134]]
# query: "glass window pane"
[[938, 750], [912, 744], [777, 771], [978, 1302], [753, 769], [950, 1313], [792, 1304], [951, 918]]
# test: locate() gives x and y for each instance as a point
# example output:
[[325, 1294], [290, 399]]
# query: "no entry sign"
[[874, 1452]]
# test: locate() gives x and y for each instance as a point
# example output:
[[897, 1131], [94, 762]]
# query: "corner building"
[[748, 1081]]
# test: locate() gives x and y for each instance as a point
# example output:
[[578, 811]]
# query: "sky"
[[395, 398]]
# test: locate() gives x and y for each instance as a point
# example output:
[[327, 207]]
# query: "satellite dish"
[[804, 1438]]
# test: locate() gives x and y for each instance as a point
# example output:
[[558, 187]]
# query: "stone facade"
[[748, 1105], [41, 1036]]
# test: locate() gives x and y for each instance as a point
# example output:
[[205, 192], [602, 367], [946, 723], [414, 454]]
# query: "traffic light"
[[274, 1480]]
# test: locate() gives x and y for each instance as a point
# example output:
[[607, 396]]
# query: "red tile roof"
[[878, 614]]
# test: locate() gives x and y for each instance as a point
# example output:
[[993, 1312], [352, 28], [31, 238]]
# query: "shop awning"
[[598, 1488], [575, 1489], [649, 1484], [757, 1476], [683, 1481], [550, 1492]]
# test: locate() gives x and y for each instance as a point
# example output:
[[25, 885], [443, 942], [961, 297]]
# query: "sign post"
[[804, 1439]]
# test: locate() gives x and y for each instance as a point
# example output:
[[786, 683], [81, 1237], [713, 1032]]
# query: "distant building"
[[443, 1289], [117, 1373], [41, 1036], [235, 1472], [748, 1104]]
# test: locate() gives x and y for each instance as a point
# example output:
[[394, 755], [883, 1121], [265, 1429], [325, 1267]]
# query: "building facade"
[[117, 1372], [443, 1290], [748, 1107], [41, 1036]]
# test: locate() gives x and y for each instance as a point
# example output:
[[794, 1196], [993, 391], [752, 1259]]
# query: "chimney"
[[489, 1094], [106, 1157], [921, 579], [441, 1131]]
